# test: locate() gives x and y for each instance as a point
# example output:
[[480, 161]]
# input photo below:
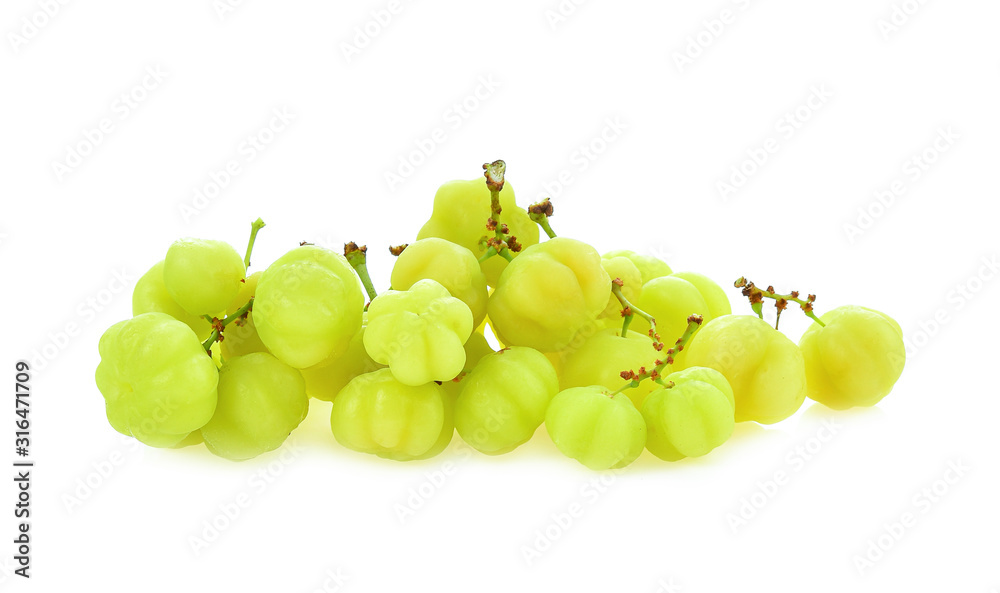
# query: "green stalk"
[[756, 296], [356, 256], [659, 369], [498, 244], [220, 324], [540, 213], [629, 310], [255, 226]]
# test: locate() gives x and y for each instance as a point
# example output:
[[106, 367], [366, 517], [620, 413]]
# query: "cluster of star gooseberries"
[[613, 354]]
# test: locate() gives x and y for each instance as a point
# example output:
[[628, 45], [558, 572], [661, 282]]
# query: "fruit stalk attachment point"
[[540, 213], [219, 325], [356, 256]]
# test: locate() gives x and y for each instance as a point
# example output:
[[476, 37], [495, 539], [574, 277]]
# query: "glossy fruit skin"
[[600, 359], [649, 267], [326, 379], [242, 338], [855, 360], [691, 418], [151, 296], [202, 275], [419, 333], [504, 399], [548, 294], [621, 268], [451, 265], [374, 413], [308, 306], [671, 299], [599, 431], [158, 383], [765, 369], [261, 400], [461, 209]]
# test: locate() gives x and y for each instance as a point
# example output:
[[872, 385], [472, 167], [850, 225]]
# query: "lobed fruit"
[[671, 299], [261, 400], [451, 265], [308, 306], [598, 430], [503, 400], [764, 368], [548, 294], [419, 333], [374, 413], [212, 357], [855, 360], [691, 418], [158, 384], [202, 275]]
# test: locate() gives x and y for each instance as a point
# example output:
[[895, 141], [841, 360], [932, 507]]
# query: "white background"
[[66, 238]]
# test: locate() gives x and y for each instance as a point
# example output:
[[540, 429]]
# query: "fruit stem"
[[499, 244], [219, 325], [255, 226], [540, 213], [544, 223], [629, 310], [658, 371], [630, 385], [694, 322], [356, 257], [757, 296]]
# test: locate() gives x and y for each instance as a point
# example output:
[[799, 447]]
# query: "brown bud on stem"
[[352, 247], [494, 173], [543, 208]]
